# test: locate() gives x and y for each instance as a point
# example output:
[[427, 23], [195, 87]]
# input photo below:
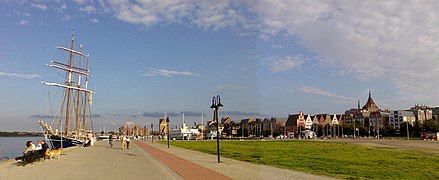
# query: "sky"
[[264, 58]]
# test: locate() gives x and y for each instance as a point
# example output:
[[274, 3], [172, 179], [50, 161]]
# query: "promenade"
[[143, 161]]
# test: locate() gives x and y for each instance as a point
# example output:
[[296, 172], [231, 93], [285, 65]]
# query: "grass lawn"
[[335, 159]]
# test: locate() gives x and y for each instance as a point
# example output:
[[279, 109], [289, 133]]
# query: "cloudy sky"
[[272, 58]]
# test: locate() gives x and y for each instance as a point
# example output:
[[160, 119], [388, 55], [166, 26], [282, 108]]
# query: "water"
[[12, 147]]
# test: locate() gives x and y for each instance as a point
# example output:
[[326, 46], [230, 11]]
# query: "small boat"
[[73, 125]]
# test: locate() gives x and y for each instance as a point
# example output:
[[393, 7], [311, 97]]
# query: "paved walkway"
[[143, 161], [96, 162], [233, 168], [187, 169]]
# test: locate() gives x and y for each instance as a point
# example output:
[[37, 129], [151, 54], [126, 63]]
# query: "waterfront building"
[[273, 126], [315, 123], [334, 124], [295, 124], [422, 113], [324, 121], [136, 130], [435, 112], [399, 117], [125, 129], [308, 122], [363, 115], [163, 126]]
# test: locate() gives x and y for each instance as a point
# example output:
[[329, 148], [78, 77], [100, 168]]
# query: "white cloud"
[[89, 9], [94, 20], [203, 14], [322, 92], [148, 74], [24, 76], [61, 7], [24, 22], [168, 73], [81, 1], [38, 6], [387, 40], [276, 64]]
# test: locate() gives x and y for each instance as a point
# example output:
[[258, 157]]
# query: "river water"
[[12, 147]]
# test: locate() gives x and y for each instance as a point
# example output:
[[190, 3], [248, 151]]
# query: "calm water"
[[12, 147]]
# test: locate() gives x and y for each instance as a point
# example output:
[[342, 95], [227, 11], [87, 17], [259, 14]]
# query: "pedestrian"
[[110, 140], [128, 142], [124, 142]]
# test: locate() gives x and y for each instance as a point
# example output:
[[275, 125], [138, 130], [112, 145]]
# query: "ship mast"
[[84, 124], [78, 95], [69, 83], [71, 88]]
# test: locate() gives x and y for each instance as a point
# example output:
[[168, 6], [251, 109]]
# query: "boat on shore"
[[73, 125]]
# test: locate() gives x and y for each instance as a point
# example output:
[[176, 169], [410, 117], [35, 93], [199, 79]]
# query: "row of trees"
[[363, 130], [19, 134], [414, 130]]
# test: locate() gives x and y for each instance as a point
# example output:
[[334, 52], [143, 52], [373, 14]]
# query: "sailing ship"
[[73, 125]]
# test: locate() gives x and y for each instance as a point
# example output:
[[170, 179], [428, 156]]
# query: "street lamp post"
[[152, 132], [167, 124], [407, 124], [216, 104], [354, 128]]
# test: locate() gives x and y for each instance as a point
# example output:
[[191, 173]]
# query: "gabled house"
[[334, 120], [308, 122], [295, 123]]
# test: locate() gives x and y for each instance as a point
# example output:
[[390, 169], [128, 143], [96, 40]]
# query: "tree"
[[431, 125], [389, 130], [403, 129]]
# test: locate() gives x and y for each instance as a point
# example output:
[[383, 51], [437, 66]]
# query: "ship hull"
[[64, 142]]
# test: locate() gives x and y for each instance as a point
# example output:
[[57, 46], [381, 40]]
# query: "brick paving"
[[186, 169]]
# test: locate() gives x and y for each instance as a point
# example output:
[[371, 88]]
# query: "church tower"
[[370, 105]]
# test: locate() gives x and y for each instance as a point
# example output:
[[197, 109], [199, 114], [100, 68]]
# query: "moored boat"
[[73, 125]]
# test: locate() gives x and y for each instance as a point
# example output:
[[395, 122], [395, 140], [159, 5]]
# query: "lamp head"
[[213, 103], [219, 105]]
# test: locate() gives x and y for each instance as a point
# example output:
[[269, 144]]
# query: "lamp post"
[[152, 132], [407, 124], [354, 128], [216, 104], [167, 124]]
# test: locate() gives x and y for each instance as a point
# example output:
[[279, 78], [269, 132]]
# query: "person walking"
[[128, 142], [110, 140], [124, 142]]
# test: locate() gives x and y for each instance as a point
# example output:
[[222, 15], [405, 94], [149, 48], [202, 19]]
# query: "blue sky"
[[274, 57]]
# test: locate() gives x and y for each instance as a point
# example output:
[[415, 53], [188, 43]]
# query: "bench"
[[30, 157]]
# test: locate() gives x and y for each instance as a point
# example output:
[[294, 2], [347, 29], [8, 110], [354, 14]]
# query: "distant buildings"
[[133, 130], [422, 113], [397, 118], [369, 120]]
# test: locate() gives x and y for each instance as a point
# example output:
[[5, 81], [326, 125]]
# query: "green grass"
[[335, 159]]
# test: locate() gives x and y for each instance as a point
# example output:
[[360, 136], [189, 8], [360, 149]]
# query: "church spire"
[[369, 93], [358, 104]]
